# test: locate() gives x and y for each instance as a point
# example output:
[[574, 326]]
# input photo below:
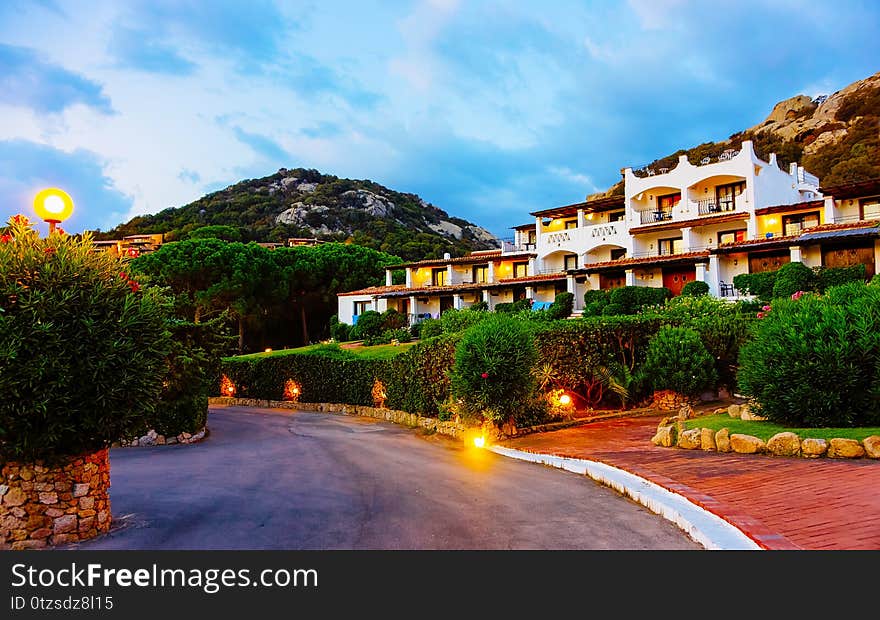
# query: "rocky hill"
[[835, 137], [307, 203]]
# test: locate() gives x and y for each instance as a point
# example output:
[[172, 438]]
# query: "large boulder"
[[872, 446], [746, 444], [707, 439], [812, 448], [722, 440], [666, 436], [845, 449], [690, 440], [784, 444], [733, 411]]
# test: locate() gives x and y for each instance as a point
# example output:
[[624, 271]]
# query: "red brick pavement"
[[780, 502]]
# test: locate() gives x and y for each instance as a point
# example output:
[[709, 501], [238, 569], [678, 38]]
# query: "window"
[[618, 254], [570, 261], [481, 274], [726, 195], [362, 306], [794, 224], [521, 270], [571, 224], [870, 208], [616, 216], [731, 236], [533, 236], [671, 246], [438, 276]]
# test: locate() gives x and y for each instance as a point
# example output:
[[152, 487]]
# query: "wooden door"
[[674, 278], [759, 263], [612, 279], [849, 256]]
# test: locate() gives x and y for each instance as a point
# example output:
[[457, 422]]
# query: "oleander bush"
[[83, 348], [815, 361], [492, 373]]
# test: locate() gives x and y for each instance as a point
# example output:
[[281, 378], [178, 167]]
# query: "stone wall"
[[44, 505], [667, 400], [152, 438]]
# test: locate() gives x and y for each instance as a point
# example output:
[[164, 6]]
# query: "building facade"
[[727, 215]]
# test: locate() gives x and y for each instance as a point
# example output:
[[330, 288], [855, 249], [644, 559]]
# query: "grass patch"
[[766, 430], [376, 352]]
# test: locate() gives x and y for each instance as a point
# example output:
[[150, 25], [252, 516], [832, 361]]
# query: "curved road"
[[266, 479]]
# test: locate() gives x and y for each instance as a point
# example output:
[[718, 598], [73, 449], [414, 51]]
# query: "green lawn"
[[376, 352], [765, 430]]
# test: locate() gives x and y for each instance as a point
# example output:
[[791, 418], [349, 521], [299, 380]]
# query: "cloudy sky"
[[487, 109]]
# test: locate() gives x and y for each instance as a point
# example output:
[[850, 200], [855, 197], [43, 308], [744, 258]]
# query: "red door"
[[674, 278]]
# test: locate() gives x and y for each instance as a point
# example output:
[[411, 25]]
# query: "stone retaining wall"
[[153, 438], [667, 400], [44, 505]]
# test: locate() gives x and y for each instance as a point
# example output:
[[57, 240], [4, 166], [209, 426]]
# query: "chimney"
[[447, 256]]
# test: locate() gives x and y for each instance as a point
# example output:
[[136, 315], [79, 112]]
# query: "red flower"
[[485, 375], [21, 219], [6, 238], [49, 250], [123, 275], [60, 231], [134, 286], [797, 295], [766, 308], [761, 315]]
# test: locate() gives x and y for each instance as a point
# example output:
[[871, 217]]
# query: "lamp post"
[[53, 206]]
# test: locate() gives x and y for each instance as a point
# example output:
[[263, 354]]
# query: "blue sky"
[[488, 110]]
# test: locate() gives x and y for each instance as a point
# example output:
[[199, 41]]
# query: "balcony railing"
[[652, 217], [711, 206], [509, 246]]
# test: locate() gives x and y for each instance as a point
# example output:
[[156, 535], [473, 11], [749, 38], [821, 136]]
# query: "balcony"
[[711, 206], [654, 217], [583, 238]]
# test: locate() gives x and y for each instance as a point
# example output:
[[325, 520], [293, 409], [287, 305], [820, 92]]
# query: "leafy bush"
[[431, 328], [456, 321], [695, 289], [595, 301], [826, 277], [400, 334], [480, 306], [791, 278], [677, 360], [573, 353], [758, 284], [370, 325], [632, 299], [82, 348], [193, 365], [561, 307], [516, 306], [416, 330], [613, 310], [815, 361], [341, 332], [418, 379], [393, 319], [492, 373]]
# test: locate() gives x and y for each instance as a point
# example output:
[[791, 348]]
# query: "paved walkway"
[[781, 503]]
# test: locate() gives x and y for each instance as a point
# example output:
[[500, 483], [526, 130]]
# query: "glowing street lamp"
[[53, 206]]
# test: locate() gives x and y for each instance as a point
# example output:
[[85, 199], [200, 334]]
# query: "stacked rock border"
[[152, 438], [671, 434]]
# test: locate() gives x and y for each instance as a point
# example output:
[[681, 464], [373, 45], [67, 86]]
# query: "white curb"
[[702, 526]]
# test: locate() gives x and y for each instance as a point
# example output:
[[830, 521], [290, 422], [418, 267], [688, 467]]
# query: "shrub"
[[595, 301], [574, 352], [418, 380], [613, 310], [430, 328], [401, 335], [192, 365], [393, 319], [480, 306], [815, 361], [677, 360], [875, 281], [492, 373], [791, 278], [758, 284], [341, 332], [695, 289], [369, 325], [561, 307], [516, 306], [632, 299], [82, 348], [826, 277], [416, 330], [456, 321]]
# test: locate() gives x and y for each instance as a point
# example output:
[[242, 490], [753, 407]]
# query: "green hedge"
[[758, 284], [796, 276], [322, 378], [417, 381], [624, 300]]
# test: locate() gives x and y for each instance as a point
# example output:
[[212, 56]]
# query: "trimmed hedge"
[[758, 284], [561, 307], [321, 378], [791, 278], [695, 289], [678, 361], [796, 277], [624, 300], [417, 380]]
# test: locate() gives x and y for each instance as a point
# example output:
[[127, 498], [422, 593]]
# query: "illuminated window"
[[731, 236], [438, 276], [520, 270], [671, 246], [481, 274]]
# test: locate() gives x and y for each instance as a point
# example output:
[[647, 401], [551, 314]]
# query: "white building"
[[710, 221]]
